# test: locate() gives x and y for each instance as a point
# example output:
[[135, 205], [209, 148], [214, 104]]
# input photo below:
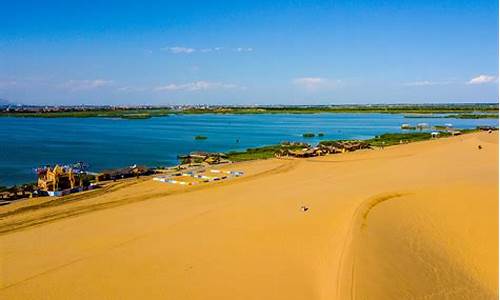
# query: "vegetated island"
[[145, 112]]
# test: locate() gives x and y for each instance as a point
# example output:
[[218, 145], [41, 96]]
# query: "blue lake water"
[[109, 143]]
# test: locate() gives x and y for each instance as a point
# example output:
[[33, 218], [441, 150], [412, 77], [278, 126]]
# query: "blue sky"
[[248, 52]]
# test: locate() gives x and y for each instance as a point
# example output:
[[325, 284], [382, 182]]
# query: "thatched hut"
[[203, 157], [486, 128], [127, 172]]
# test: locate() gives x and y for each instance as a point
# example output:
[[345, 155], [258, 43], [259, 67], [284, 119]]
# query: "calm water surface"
[[109, 143]]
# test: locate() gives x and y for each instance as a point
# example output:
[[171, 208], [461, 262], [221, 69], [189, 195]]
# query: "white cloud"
[[131, 89], [206, 50], [80, 85], [426, 83], [314, 83], [179, 50], [240, 49], [196, 86], [482, 79]]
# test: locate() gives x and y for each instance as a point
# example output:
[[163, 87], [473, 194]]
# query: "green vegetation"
[[384, 139], [200, 137], [473, 116], [222, 110], [321, 134], [100, 113], [421, 111], [426, 116], [87, 179], [308, 135], [465, 131], [455, 116], [329, 142], [264, 152], [136, 116], [389, 139], [376, 108], [254, 153]]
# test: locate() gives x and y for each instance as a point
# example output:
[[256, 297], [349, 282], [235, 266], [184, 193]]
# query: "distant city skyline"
[[249, 52]]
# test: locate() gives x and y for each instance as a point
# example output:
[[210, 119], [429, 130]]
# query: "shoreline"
[[141, 113], [190, 240], [106, 185], [269, 151]]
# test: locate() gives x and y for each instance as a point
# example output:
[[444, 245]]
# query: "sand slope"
[[416, 221]]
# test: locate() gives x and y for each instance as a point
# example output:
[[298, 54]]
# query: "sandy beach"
[[413, 221]]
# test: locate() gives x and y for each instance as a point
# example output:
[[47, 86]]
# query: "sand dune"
[[416, 221]]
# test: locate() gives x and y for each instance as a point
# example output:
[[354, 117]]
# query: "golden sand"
[[416, 221]]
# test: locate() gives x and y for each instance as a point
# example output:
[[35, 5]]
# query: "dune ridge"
[[416, 221]]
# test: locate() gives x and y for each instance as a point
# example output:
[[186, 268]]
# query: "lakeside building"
[[60, 180]]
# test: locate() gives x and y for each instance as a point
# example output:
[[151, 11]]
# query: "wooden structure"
[[203, 157], [16, 192], [57, 178], [324, 149], [486, 128], [132, 171]]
